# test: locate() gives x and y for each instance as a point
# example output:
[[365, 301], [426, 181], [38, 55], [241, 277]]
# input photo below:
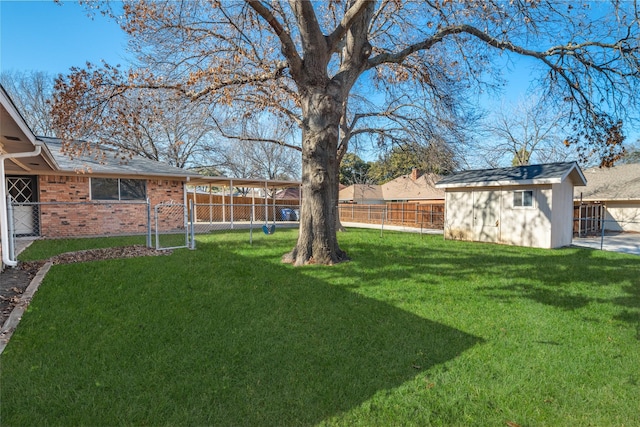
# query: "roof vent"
[[12, 138]]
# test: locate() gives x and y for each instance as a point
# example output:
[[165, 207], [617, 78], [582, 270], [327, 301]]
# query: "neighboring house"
[[523, 206], [366, 194], [291, 193], [618, 190], [415, 187], [411, 188]]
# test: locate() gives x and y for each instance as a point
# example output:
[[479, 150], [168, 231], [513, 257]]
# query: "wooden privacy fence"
[[218, 208], [419, 215], [588, 219]]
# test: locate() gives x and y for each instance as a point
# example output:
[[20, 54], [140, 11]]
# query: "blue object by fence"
[[269, 229], [288, 214]]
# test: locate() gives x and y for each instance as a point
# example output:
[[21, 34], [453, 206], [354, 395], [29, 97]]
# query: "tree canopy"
[[302, 59]]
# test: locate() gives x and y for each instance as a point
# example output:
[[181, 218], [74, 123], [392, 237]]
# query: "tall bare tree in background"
[[524, 133], [258, 149], [32, 91], [307, 56]]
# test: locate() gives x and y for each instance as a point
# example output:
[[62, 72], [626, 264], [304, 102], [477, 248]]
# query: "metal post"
[[266, 205], [603, 213], [11, 229], [231, 200], [580, 220], [224, 209], [210, 206], [253, 202], [185, 219], [149, 244], [274, 206], [192, 237], [251, 228], [157, 233]]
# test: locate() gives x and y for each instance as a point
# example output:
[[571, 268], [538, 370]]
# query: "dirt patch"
[[14, 281]]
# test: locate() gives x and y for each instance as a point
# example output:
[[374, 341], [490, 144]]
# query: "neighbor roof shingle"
[[620, 182]]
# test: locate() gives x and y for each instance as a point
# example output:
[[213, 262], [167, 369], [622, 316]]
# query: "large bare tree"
[[523, 133], [32, 91], [307, 56], [260, 148]]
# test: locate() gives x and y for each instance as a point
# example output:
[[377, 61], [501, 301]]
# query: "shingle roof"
[[549, 173], [405, 188], [620, 182], [361, 192], [401, 188], [110, 165]]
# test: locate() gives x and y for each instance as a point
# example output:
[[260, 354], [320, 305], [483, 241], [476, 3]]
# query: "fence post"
[[148, 223], [192, 229]]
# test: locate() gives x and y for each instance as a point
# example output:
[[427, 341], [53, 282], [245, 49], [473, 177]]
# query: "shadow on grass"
[[568, 278], [209, 338]]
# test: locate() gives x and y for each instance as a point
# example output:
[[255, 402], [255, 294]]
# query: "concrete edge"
[[14, 318]]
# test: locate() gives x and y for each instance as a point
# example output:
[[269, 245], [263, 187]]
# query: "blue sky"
[[51, 37]]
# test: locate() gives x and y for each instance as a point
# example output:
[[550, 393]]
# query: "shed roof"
[[548, 173], [620, 182]]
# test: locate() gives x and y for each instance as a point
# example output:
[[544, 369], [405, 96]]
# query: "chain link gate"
[[173, 230]]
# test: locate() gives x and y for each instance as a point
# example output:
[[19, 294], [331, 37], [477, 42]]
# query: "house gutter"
[[4, 222]]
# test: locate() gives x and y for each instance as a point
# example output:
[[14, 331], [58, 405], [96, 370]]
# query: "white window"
[[523, 198], [118, 189]]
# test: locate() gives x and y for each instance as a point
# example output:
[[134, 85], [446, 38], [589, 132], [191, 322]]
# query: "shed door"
[[22, 191], [486, 215]]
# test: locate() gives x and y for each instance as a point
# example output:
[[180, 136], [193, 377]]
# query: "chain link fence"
[[56, 220], [171, 226], [208, 217]]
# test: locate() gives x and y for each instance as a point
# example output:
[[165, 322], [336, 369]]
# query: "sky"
[[53, 37]]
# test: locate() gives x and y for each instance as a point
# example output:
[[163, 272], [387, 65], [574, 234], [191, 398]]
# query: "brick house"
[[58, 196], [55, 195], [86, 197]]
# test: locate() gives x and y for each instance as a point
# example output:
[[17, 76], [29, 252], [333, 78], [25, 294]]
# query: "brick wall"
[[68, 211]]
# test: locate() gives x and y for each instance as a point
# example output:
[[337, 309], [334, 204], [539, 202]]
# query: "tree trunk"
[[317, 240]]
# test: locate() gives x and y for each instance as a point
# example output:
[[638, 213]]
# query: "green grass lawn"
[[414, 331]]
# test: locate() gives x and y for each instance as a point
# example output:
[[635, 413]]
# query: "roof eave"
[[503, 183]]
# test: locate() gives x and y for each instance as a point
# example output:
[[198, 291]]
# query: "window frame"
[[118, 197], [522, 204]]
